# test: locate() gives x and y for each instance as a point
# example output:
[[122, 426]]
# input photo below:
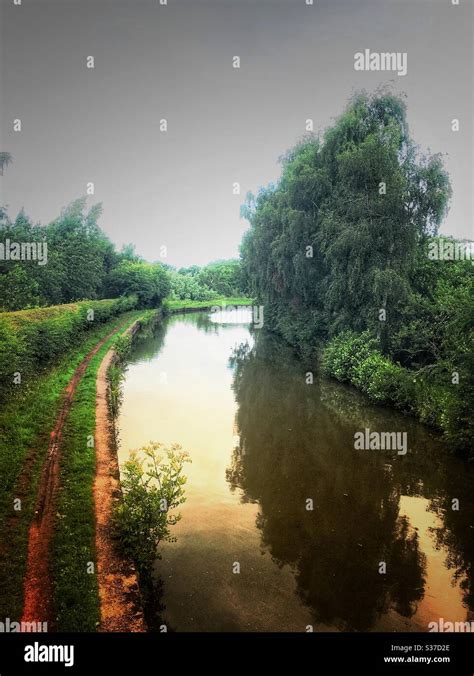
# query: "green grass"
[[176, 305], [31, 341], [73, 555], [25, 423]]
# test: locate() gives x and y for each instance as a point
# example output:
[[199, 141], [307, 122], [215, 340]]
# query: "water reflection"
[[263, 443], [296, 443]]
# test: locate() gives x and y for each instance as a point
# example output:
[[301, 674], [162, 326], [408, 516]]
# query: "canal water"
[[286, 526]]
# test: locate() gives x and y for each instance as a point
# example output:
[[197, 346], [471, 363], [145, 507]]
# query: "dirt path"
[[37, 583], [120, 607]]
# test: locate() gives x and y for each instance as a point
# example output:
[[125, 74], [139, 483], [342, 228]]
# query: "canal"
[[286, 526]]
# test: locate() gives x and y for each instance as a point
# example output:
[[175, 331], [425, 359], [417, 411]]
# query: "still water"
[[265, 446]]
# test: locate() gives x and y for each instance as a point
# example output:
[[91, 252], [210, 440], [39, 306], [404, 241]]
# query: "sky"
[[226, 125]]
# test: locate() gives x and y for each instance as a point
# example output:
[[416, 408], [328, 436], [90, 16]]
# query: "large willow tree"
[[333, 244]]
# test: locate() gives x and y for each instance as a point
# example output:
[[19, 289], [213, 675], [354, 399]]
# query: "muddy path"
[[120, 604], [37, 606]]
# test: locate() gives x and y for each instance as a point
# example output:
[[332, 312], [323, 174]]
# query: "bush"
[[116, 375], [143, 518], [431, 402], [355, 358], [383, 381], [31, 340], [428, 395], [345, 352]]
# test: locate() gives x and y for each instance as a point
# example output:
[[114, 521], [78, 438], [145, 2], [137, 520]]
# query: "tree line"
[[82, 263]]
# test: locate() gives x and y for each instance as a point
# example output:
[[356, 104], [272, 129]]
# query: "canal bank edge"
[[120, 599], [121, 606]]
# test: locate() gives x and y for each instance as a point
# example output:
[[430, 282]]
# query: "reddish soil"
[[37, 584], [120, 606]]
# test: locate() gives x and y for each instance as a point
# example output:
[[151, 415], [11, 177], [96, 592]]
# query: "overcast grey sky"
[[225, 125]]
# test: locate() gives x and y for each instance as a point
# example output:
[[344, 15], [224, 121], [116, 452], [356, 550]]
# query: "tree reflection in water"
[[297, 443]]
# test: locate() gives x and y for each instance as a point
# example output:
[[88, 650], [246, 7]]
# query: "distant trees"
[[82, 263], [220, 278], [224, 277], [79, 258], [185, 285], [149, 281]]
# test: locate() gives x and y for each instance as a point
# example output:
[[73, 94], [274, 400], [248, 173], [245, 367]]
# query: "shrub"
[[345, 351], [143, 518], [428, 395], [31, 340], [383, 381], [355, 358], [116, 375]]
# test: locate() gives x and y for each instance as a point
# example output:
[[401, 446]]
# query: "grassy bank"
[[182, 305], [76, 599], [31, 341], [438, 396], [26, 421]]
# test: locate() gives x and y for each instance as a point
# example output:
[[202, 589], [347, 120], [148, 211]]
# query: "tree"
[[333, 244], [149, 281], [223, 277], [18, 290]]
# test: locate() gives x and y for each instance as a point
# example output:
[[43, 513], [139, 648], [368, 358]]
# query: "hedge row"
[[356, 359], [32, 340]]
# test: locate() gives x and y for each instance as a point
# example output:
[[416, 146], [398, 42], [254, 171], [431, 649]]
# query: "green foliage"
[[151, 488], [32, 340], [357, 359], [326, 249], [115, 373], [347, 232], [383, 381], [221, 278], [428, 393], [81, 263], [25, 424], [188, 287], [75, 591], [76, 595], [79, 258], [177, 305], [18, 290], [149, 281], [115, 377], [122, 346], [345, 352]]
